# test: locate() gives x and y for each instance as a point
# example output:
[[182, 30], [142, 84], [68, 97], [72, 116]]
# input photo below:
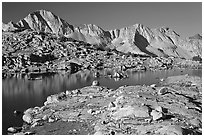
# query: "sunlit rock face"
[[163, 41], [90, 33], [137, 39], [45, 21]]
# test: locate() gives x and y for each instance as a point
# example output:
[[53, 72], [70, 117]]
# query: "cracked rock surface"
[[128, 110]]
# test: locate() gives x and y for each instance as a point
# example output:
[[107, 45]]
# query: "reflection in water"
[[30, 88], [19, 93]]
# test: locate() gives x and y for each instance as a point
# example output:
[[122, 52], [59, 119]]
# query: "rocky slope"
[[32, 51], [137, 39]]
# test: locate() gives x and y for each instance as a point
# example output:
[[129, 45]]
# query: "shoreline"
[[121, 73]]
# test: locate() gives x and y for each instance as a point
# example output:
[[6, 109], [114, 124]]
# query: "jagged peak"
[[42, 11], [44, 20]]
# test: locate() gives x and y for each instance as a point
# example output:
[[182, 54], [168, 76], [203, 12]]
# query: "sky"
[[184, 17]]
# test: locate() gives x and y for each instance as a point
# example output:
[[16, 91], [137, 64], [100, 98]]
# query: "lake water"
[[19, 93]]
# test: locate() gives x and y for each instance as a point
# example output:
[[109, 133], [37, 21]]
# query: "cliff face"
[[137, 39]]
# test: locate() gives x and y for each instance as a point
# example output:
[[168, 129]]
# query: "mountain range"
[[137, 39]]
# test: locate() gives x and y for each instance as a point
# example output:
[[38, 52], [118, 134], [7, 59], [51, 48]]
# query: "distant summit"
[[46, 21], [136, 39]]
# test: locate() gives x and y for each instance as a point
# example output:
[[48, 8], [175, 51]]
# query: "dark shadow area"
[[43, 21], [21, 28], [25, 25], [74, 67], [107, 34], [190, 99], [42, 59], [197, 58], [168, 117], [165, 110], [142, 43], [191, 132]]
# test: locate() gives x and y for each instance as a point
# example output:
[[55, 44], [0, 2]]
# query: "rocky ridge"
[[43, 42], [137, 39]]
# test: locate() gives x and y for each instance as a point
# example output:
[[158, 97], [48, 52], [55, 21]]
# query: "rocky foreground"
[[172, 108]]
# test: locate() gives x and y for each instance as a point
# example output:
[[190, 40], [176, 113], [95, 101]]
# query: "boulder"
[[153, 85], [95, 83], [50, 120], [51, 99], [12, 130], [17, 112], [28, 118], [156, 115], [45, 117], [67, 92], [77, 91], [163, 91]]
